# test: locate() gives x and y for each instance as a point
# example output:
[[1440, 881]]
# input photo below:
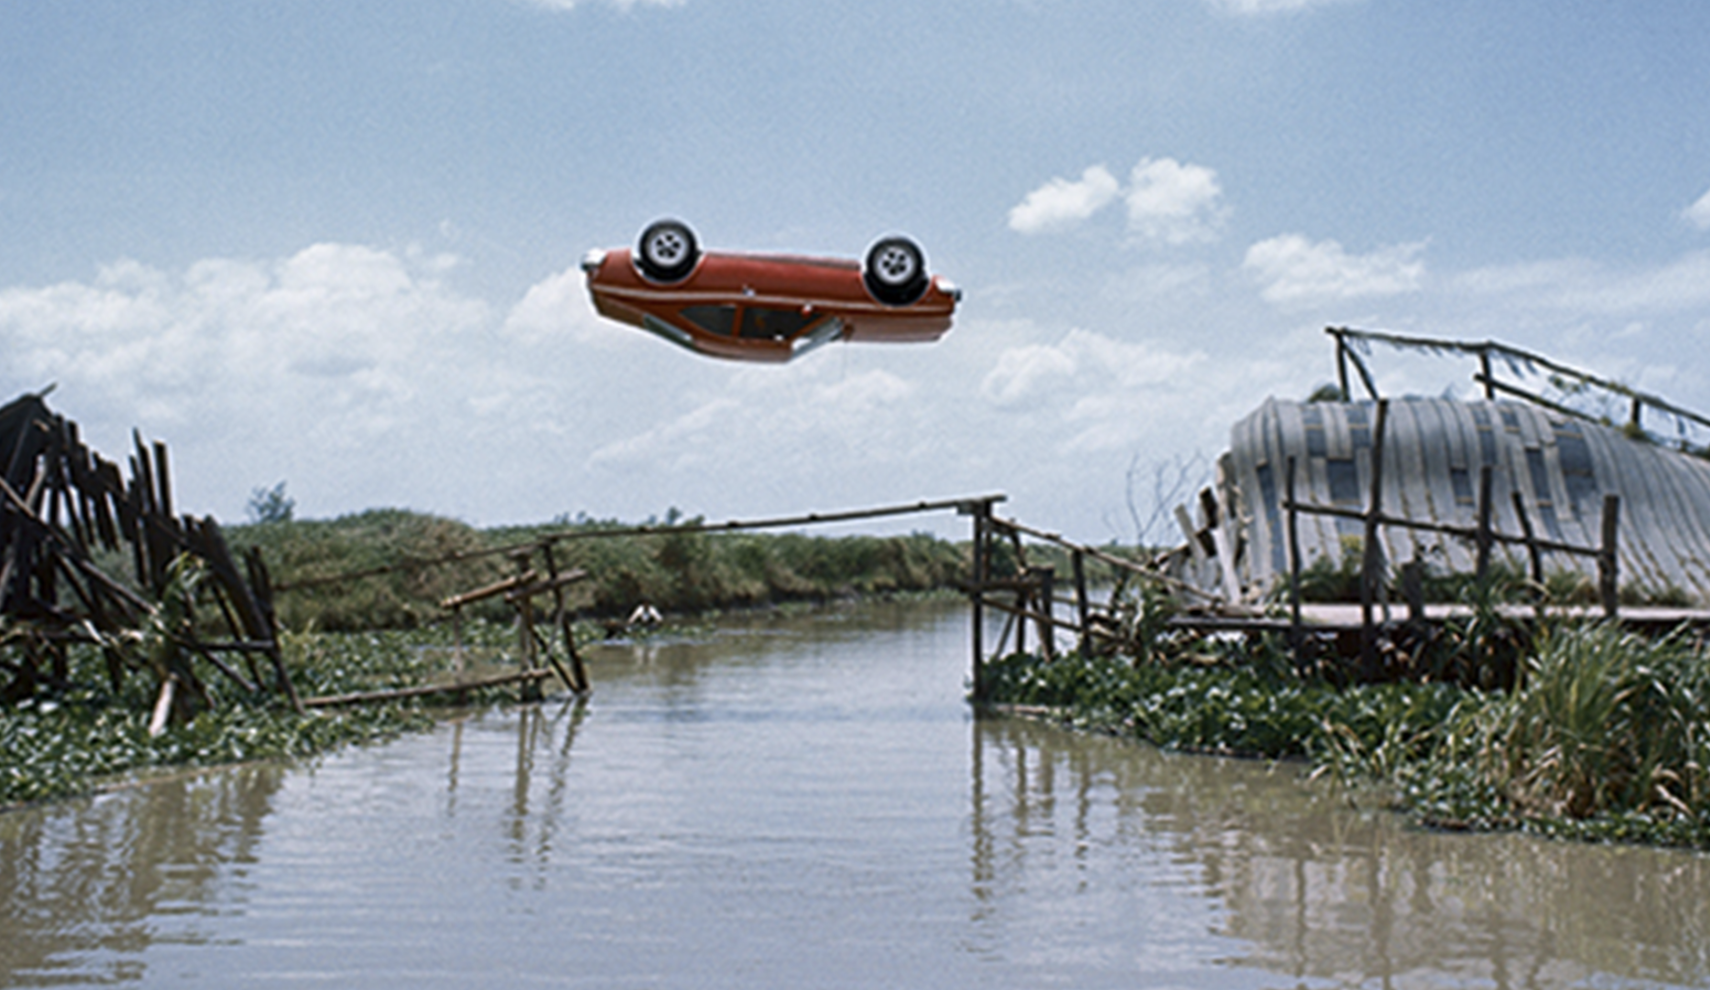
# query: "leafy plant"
[[1598, 732]]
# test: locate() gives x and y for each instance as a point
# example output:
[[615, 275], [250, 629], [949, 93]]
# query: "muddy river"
[[807, 802]]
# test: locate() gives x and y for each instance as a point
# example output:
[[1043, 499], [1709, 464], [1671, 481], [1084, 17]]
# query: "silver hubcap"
[[667, 247], [894, 266]]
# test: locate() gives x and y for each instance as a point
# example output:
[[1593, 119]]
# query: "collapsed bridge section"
[[71, 526]]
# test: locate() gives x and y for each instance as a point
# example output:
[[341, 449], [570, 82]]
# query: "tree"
[[267, 505]]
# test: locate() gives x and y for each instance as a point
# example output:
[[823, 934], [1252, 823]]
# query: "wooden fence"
[[62, 506], [1482, 535]]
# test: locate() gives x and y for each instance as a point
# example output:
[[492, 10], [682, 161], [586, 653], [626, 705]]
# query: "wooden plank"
[[398, 694]]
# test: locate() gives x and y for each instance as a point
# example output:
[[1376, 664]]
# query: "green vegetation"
[[1327, 580], [76, 742], [1605, 735], [359, 608], [415, 561]]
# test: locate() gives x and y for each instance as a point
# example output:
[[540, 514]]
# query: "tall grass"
[[420, 559], [1607, 720], [1605, 733]]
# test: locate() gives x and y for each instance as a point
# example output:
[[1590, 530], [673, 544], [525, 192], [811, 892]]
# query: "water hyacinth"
[[1605, 736], [88, 739]]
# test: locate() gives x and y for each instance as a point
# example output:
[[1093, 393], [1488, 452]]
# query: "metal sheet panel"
[[1433, 450]]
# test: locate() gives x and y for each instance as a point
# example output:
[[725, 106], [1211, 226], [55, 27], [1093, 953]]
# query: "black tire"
[[895, 271], [667, 251]]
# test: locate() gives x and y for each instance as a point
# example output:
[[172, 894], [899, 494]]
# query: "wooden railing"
[[1483, 535]]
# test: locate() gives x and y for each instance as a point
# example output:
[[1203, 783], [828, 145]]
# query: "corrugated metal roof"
[[1433, 450]]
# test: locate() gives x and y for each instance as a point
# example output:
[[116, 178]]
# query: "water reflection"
[[806, 802], [86, 886], [1327, 896]]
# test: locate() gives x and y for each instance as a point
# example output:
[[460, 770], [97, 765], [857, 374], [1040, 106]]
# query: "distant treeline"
[[391, 568]]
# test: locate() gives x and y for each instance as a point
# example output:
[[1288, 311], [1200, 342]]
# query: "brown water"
[[808, 803]]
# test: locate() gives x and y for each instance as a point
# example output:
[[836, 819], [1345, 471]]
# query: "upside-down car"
[[765, 307]]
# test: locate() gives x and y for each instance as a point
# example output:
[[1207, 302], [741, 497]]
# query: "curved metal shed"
[[1433, 450]]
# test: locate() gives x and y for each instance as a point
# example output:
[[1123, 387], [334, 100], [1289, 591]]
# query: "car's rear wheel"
[[895, 271], [667, 251]]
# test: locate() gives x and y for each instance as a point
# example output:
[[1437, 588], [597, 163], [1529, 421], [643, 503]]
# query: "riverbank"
[[391, 568], [1603, 739], [88, 740]]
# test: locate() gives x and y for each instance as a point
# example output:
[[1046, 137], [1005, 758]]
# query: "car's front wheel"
[[895, 271], [667, 251]]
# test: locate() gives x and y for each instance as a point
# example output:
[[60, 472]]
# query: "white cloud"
[[1295, 270], [1698, 214], [759, 419], [336, 346], [687, 441], [557, 306], [1167, 201], [1174, 203], [1261, 8], [1061, 203], [1020, 372], [1103, 392]]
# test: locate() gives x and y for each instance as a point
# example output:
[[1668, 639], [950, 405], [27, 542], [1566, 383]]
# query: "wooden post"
[[1373, 561], [1484, 369], [1413, 589], [577, 679], [1294, 631], [1342, 367], [1046, 589], [1023, 597], [1607, 559], [982, 515], [525, 632], [261, 584], [1023, 588], [1481, 566], [1082, 606]]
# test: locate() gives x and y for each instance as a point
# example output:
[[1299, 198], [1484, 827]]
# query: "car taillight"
[[592, 261], [949, 288]]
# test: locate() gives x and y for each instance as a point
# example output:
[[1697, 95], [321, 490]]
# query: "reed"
[[1605, 734], [390, 568]]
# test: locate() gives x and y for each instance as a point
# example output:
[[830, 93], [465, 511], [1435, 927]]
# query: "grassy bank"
[[1605, 737], [85, 740], [414, 561], [359, 610]]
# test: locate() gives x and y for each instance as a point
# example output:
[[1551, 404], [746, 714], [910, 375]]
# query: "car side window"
[[768, 323], [713, 319]]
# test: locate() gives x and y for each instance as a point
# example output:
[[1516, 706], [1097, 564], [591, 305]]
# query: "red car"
[[761, 307]]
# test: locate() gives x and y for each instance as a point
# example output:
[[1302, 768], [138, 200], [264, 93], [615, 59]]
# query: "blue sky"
[[334, 244]]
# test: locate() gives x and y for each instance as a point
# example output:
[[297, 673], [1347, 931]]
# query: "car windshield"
[[713, 319], [767, 323]]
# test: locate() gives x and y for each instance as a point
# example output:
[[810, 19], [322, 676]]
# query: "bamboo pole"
[[1046, 579], [1482, 535], [1294, 630], [398, 694], [1533, 553], [962, 506], [561, 617], [1128, 566], [982, 525], [1083, 608], [1373, 557], [1448, 529]]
